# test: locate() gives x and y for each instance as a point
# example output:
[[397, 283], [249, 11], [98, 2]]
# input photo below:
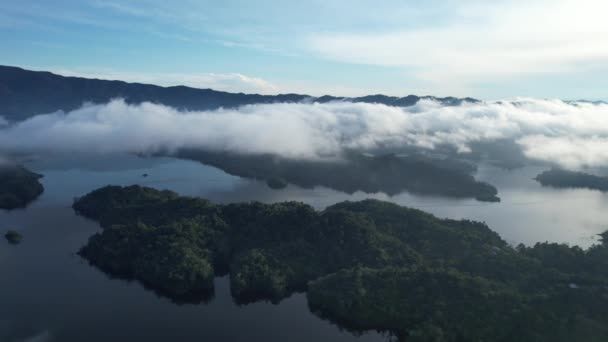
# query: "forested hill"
[[18, 186], [368, 265], [25, 93]]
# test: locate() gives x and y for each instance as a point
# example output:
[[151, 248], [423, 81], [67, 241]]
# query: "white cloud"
[[118, 127], [484, 42], [572, 135], [571, 152]]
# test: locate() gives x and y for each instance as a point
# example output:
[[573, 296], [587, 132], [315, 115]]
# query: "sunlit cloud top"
[[571, 135]]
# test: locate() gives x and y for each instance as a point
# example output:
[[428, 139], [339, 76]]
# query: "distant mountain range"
[[25, 93]]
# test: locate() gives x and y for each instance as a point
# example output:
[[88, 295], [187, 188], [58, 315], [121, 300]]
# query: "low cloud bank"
[[571, 135]]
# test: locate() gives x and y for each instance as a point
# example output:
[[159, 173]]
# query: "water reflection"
[[528, 212], [49, 293]]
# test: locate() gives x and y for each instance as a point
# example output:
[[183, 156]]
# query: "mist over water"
[[569, 134]]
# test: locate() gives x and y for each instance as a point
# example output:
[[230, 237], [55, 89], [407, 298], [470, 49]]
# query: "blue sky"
[[548, 49]]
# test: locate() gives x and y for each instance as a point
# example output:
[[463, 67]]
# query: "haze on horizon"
[[503, 49]]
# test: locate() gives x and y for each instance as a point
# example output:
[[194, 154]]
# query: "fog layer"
[[569, 134]]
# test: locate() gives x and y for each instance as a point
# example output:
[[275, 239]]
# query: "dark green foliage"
[[278, 247], [435, 304], [418, 302], [388, 173], [18, 187], [366, 265], [170, 258], [559, 178], [549, 292], [13, 237], [257, 274]]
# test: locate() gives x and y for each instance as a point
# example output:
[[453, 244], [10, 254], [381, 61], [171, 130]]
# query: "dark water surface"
[[47, 293]]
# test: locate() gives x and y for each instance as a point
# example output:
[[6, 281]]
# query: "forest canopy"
[[559, 178], [368, 265], [18, 186], [389, 173]]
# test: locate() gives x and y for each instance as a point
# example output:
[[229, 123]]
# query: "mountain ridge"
[[25, 93]]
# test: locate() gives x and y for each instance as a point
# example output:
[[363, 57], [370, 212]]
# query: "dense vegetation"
[[387, 173], [18, 186], [559, 178], [13, 237], [25, 93], [365, 265]]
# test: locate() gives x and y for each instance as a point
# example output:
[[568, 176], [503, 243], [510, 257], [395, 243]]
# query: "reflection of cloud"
[[569, 134]]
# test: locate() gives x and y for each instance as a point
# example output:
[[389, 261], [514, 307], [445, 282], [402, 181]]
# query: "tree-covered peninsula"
[[368, 265], [559, 178], [388, 173], [18, 186]]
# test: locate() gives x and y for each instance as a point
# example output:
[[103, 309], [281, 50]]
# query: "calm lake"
[[47, 293]]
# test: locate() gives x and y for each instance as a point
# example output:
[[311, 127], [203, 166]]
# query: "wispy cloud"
[[463, 48], [444, 45], [29, 11], [483, 42]]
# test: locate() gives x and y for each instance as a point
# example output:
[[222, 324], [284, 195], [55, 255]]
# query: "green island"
[[368, 265], [13, 237], [18, 187], [559, 178], [388, 173]]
